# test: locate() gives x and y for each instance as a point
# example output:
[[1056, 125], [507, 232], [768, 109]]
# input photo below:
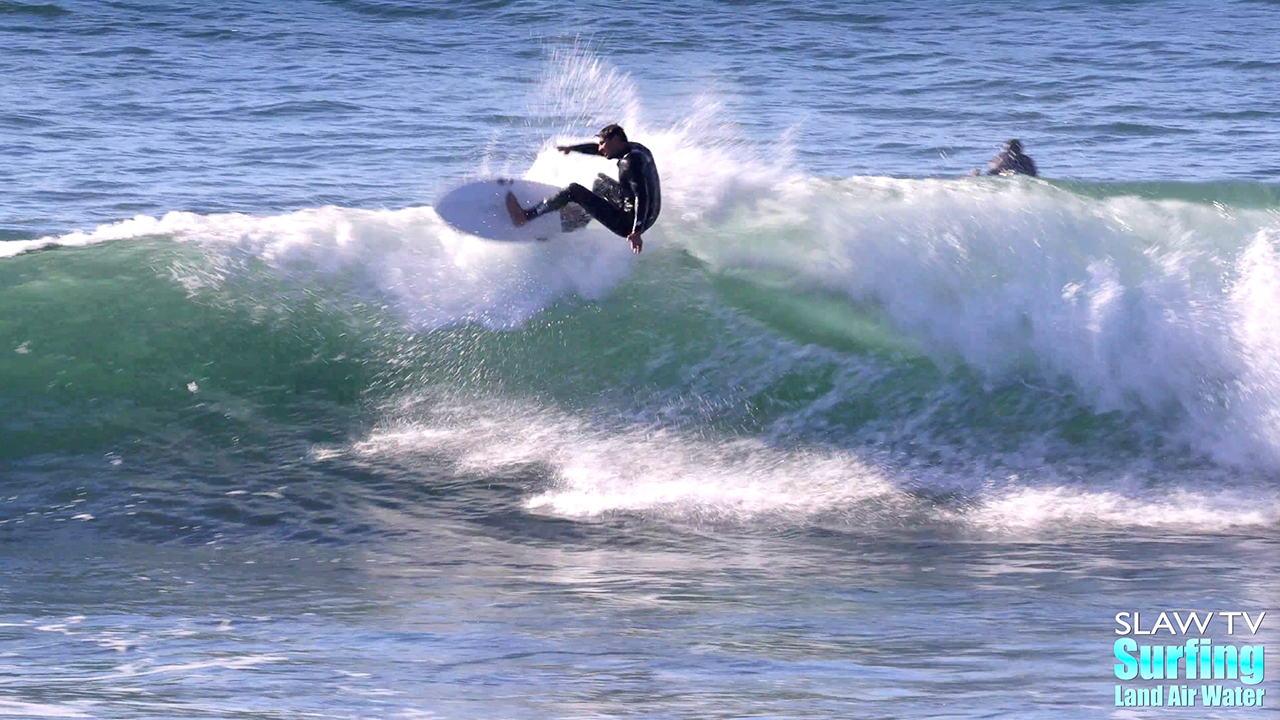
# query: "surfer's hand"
[[564, 149], [637, 242]]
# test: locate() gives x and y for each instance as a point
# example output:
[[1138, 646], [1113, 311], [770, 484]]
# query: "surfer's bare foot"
[[518, 218]]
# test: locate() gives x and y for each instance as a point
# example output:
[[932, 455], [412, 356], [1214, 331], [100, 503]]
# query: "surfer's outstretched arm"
[[587, 148]]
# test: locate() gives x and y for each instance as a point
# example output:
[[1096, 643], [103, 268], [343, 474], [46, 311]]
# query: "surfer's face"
[[612, 147]]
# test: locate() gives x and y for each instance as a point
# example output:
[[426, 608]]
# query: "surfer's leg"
[[521, 216], [608, 188], [609, 214], [574, 217]]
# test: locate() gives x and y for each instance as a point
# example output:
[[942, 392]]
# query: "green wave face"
[[917, 317], [106, 344]]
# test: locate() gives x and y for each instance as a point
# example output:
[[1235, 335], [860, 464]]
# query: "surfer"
[[1012, 161], [628, 206]]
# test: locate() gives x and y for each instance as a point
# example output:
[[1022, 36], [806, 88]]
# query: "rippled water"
[[117, 108]]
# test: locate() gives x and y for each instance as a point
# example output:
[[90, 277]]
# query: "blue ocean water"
[[858, 435]]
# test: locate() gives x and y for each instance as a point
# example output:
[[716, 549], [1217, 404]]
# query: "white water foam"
[[1084, 510], [597, 471], [1253, 429], [1156, 307], [600, 471]]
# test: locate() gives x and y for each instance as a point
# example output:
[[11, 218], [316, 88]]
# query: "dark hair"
[[1014, 145], [612, 131]]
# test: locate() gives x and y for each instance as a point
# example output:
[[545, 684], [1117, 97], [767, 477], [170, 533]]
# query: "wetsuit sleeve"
[[588, 148], [639, 188]]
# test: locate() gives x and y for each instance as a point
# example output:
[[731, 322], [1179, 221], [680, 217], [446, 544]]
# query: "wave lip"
[[434, 275]]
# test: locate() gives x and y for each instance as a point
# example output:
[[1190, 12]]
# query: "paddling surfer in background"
[[1012, 161]]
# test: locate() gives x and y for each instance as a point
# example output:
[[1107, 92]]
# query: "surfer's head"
[[613, 141], [1013, 146]]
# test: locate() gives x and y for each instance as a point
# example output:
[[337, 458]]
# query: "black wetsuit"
[[629, 205], [1012, 161]]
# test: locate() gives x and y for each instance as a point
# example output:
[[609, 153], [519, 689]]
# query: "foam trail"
[[1066, 509], [596, 471], [602, 471]]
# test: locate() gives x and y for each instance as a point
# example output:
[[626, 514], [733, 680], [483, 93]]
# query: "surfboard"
[[480, 209]]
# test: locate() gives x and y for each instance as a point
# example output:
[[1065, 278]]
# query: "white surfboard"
[[480, 209]]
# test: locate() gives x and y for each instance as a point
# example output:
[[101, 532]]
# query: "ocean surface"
[[857, 436]]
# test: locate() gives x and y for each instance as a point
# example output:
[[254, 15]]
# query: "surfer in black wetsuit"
[[628, 206], [1012, 161]]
